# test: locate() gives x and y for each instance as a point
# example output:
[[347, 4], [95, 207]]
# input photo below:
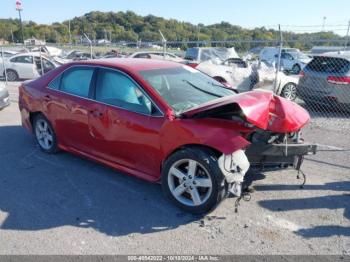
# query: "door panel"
[[69, 115], [67, 106], [127, 138]]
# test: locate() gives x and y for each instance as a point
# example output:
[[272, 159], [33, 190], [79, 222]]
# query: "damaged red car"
[[163, 122]]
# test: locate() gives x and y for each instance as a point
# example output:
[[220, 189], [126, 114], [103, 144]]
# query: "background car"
[[157, 55], [7, 53], [197, 55], [243, 77], [26, 66], [4, 96], [326, 81], [291, 58]]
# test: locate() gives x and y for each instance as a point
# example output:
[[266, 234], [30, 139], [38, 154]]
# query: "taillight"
[[193, 65], [302, 74], [339, 80]]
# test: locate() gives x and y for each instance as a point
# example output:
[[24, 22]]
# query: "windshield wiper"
[[200, 89]]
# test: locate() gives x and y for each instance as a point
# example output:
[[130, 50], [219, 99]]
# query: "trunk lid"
[[259, 108]]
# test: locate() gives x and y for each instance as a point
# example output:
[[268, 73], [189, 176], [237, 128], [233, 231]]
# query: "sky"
[[296, 15]]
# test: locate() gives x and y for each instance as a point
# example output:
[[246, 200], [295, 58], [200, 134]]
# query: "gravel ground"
[[64, 204]]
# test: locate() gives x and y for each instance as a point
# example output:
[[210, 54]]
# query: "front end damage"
[[270, 150], [267, 151], [274, 134]]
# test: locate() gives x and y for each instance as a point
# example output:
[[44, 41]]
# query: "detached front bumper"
[[278, 155]]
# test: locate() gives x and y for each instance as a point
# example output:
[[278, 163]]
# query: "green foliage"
[[128, 26]]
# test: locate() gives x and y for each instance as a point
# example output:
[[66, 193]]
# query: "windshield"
[[184, 88]]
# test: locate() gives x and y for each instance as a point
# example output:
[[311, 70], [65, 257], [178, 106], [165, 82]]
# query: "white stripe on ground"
[[331, 147]]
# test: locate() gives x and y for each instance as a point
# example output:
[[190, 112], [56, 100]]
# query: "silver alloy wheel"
[[11, 75], [189, 182], [290, 91], [44, 134]]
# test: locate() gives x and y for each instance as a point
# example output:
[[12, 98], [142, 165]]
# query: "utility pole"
[[70, 35], [19, 8], [324, 23], [3, 64], [163, 42], [198, 31], [278, 67], [347, 37], [90, 42], [12, 38]]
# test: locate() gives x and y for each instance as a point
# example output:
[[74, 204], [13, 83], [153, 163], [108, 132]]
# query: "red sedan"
[[163, 121]]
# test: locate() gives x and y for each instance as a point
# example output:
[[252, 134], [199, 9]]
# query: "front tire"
[[12, 75], [45, 134], [193, 181], [289, 91]]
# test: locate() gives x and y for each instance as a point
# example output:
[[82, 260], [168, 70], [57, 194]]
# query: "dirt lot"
[[63, 204]]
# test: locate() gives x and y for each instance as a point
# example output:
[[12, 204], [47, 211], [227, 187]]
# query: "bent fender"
[[260, 108]]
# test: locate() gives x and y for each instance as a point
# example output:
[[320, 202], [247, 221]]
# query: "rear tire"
[[45, 134], [193, 181], [289, 91], [12, 75]]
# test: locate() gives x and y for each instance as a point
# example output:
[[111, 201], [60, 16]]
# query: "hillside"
[[128, 26]]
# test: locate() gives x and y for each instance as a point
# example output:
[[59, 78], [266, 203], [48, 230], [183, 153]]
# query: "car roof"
[[132, 64], [344, 55]]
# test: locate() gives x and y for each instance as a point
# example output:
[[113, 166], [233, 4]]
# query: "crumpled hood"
[[262, 109]]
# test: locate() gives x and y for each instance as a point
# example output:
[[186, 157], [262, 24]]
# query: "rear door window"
[[76, 81], [329, 65], [192, 54], [23, 59]]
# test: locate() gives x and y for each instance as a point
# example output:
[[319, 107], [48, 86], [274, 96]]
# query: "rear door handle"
[[96, 113], [47, 98]]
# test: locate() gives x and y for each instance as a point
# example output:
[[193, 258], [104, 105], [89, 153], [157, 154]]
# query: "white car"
[[7, 53], [26, 66], [243, 77], [291, 58], [157, 55], [294, 61]]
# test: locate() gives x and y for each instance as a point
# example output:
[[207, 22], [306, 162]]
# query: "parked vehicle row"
[[244, 77], [223, 64]]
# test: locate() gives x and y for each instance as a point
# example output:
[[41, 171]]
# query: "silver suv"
[[326, 81]]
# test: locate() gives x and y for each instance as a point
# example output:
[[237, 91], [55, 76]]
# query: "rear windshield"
[[329, 65], [191, 54]]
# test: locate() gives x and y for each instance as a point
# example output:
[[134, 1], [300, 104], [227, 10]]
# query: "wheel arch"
[[216, 152], [10, 69], [32, 116], [220, 79]]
